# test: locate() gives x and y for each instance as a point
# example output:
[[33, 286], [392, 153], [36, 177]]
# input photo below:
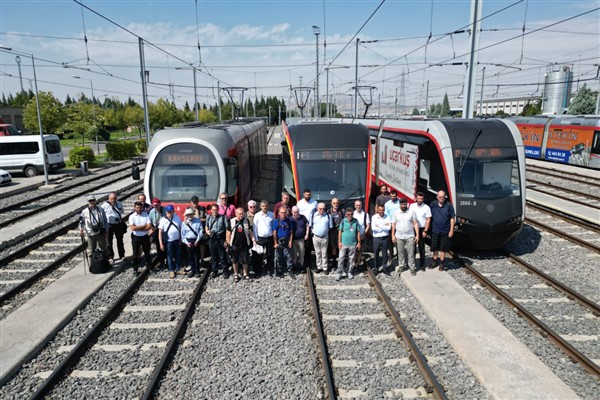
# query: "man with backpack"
[[94, 225], [191, 235], [215, 228], [169, 235]]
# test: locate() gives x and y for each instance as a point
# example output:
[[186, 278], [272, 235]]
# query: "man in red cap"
[[156, 214]]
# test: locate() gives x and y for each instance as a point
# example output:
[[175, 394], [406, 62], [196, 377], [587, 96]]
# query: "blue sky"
[[267, 46]]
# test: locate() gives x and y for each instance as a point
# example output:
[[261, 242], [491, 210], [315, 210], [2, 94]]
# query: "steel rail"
[[435, 386], [573, 177], [552, 185], [89, 339], [322, 342], [53, 192], [177, 336], [546, 331], [10, 221], [559, 196], [570, 293], [564, 235], [564, 217]]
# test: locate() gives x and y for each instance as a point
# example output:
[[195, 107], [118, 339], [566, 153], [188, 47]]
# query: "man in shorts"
[[442, 228]]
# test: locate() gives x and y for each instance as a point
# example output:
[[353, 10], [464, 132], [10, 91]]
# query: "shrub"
[[140, 145], [121, 150], [81, 153]]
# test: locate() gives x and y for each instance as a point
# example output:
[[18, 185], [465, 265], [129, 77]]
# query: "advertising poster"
[[398, 166]]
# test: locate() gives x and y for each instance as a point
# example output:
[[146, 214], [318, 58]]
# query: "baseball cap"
[[91, 197], [194, 199], [403, 200], [189, 211], [169, 208], [155, 200]]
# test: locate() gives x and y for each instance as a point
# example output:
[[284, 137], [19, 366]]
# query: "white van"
[[24, 153]]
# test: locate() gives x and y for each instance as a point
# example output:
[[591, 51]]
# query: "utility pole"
[[471, 75], [427, 99], [317, 32], [396, 104], [402, 92], [481, 97], [356, 81], [143, 74]]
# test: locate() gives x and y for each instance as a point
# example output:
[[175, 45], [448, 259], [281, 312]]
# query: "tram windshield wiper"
[[464, 160]]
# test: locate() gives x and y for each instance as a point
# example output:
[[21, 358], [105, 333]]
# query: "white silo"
[[557, 89]]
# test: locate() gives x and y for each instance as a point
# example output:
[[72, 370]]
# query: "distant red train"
[[566, 139]]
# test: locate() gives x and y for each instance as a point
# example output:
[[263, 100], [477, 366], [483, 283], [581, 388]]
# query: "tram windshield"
[[184, 170], [333, 178], [488, 174]]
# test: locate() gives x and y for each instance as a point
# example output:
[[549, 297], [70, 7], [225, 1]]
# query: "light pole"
[[39, 113], [317, 32], [18, 60], [93, 110]]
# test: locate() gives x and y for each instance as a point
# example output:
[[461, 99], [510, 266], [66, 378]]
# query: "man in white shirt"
[[405, 233], [423, 213], [140, 225], [364, 222], [169, 235], [382, 225], [307, 207], [263, 233], [114, 211]]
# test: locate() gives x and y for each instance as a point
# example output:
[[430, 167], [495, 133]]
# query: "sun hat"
[[189, 211]]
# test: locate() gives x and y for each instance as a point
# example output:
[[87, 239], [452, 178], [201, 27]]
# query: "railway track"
[[532, 301], [357, 298], [19, 211], [562, 232], [33, 263], [570, 176], [152, 309]]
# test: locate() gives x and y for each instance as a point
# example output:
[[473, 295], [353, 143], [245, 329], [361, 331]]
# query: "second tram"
[[330, 158]]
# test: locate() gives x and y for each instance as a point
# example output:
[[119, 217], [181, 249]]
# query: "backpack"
[[99, 262]]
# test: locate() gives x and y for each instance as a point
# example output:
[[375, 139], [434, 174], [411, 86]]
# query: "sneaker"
[[413, 272], [136, 272], [338, 278], [225, 274], [350, 276], [214, 274], [172, 275], [191, 274], [181, 272], [187, 269], [326, 272], [291, 275]]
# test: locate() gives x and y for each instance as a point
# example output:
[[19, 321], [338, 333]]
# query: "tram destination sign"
[[310, 155], [185, 158]]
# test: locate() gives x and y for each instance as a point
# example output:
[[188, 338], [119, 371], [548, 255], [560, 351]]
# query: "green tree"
[[415, 111], [162, 113], [431, 110], [80, 121], [445, 109], [530, 108], [21, 99], [584, 101], [134, 115], [206, 116], [438, 109], [114, 118], [53, 115]]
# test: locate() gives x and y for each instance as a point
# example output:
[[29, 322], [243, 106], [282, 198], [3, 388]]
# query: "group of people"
[[278, 242]]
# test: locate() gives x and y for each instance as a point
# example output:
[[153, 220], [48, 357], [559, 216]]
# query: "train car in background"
[[204, 160], [480, 164], [330, 158], [565, 139]]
